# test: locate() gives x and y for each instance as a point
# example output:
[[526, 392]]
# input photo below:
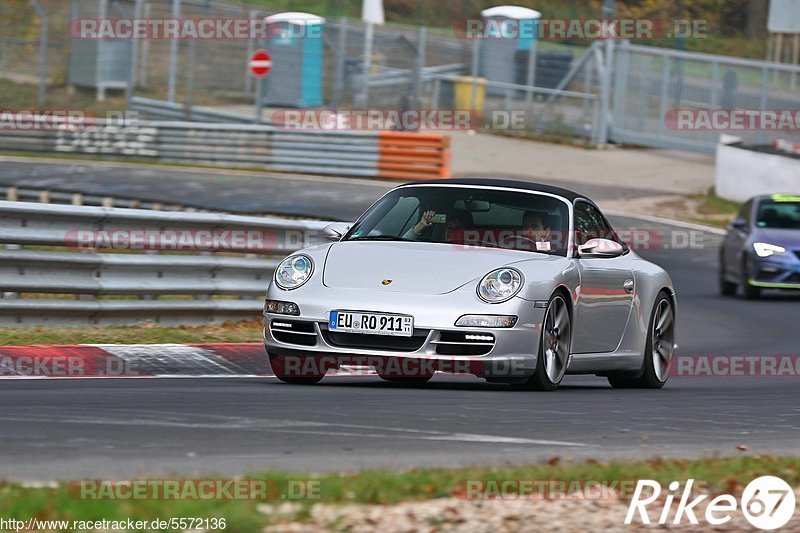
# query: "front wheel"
[[278, 365], [750, 292], [658, 351], [554, 346], [726, 288]]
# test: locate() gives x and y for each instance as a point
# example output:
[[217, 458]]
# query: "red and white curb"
[[142, 361], [134, 360]]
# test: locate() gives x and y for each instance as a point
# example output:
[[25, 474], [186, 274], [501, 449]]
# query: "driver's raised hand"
[[424, 222]]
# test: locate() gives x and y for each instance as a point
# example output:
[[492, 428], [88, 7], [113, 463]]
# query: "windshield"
[[772, 214], [473, 217]]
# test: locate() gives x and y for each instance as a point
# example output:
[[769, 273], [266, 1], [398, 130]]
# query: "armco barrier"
[[411, 156], [393, 155], [198, 267]]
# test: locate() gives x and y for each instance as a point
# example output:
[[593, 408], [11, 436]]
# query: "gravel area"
[[478, 516]]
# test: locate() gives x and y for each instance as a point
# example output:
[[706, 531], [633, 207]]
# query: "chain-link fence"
[[586, 89], [654, 84]]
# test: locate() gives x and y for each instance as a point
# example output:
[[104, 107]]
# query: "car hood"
[[420, 268], [788, 238]]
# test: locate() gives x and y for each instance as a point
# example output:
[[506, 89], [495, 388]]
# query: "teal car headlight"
[[764, 249], [293, 272]]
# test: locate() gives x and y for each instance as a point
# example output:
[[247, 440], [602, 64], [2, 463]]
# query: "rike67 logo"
[[767, 502]]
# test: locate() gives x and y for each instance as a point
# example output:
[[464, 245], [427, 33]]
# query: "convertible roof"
[[505, 183]]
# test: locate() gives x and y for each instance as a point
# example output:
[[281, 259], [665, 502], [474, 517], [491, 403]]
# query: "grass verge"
[[63, 501], [146, 334], [713, 210]]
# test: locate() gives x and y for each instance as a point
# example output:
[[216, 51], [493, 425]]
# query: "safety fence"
[[94, 265], [376, 154]]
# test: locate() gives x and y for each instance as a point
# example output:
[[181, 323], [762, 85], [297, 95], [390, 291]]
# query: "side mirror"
[[600, 248], [739, 224], [334, 232]]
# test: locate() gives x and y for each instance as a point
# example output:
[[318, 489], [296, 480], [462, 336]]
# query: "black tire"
[[277, 365], [540, 380], [726, 288], [749, 292], [647, 377]]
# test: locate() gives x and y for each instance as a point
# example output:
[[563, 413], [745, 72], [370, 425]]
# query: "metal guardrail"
[[161, 109], [95, 265], [380, 154]]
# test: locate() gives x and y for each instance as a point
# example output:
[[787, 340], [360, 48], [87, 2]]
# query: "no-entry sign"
[[260, 63]]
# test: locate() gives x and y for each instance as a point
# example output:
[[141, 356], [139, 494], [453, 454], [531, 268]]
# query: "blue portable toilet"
[[503, 57], [295, 42]]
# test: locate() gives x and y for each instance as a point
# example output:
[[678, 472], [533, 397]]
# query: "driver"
[[533, 228], [454, 223]]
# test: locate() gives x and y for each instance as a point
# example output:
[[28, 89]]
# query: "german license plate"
[[371, 323]]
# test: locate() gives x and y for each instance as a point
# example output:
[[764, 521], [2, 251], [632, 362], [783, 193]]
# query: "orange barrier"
[[413, 156]]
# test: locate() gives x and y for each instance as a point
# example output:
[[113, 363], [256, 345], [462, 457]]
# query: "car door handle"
[[628, 286]]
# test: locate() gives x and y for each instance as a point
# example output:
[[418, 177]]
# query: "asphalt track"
[[78, 428], [243, 192]]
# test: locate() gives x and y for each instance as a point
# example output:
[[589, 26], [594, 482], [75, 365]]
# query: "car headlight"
[[293, 272], [767, 250], [500, 285]]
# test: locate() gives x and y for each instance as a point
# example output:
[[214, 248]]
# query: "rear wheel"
[[658, 351], [554, 346]]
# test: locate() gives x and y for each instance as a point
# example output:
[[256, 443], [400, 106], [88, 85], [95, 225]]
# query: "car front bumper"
[[776, 272], [437, 344]]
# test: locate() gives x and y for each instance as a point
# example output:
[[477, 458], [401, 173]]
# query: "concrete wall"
[[742, 174]]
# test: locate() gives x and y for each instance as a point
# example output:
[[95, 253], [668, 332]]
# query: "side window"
[[590, 224]]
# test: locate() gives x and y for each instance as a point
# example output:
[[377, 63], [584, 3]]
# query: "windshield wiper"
[[379, 238]]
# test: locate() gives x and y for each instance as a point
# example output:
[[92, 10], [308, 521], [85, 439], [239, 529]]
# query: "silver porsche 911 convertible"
[[510, 281]]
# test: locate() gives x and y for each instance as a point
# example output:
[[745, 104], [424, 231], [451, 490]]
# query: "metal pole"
[[419, 67], [609, 12], [339, 65], [190, 81], [531, 80], [173, 54], [248, 74], [73, 15], [476, 60], [363, 97], [145, 52], [137, 13], [764, 100], [42, 52], [795, 60], [259, 84]]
